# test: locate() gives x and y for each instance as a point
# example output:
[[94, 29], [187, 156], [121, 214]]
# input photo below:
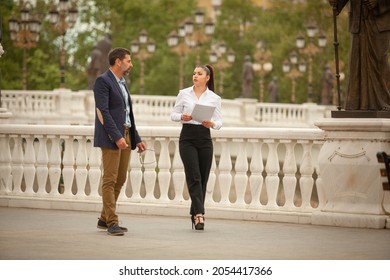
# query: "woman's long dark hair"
[[209, 72], [210, 83]]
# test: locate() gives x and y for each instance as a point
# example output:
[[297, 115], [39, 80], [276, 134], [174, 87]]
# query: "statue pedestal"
[[350, 172], [360, 114]]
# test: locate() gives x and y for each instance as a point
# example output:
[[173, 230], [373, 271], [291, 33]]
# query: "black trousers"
[[196, 152]]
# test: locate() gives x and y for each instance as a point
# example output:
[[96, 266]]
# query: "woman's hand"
[[186, 117], [208, 124]]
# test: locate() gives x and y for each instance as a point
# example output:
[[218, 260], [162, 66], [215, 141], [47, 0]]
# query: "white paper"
[[202, 112]]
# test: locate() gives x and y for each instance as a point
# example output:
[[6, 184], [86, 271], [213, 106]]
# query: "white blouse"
[[185, 103]]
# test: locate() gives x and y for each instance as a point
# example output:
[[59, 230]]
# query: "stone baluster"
[[29, 164], [150, 172], [256, 179], [135, 177], [209, 199], [25, 104], [30, 106], [289, 171], [5, 164], [225, 168], [94, 172], [306, 169], [68, 163], [81, 166], [42, 163], [241, 169], [164, 175], [319, 182], [178, 175], [272, 179], [55, 165], [17, 164]]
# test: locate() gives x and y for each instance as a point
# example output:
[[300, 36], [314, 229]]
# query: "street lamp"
[[309, 51], [24, 34], [143, 48], [190, 35], [1, 51], [198, 32], [290, 68], [262, 65], [222, 60], [177, 44], [63, 17]]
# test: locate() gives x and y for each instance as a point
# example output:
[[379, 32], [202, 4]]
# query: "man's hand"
[[121, 144], [141, 147]]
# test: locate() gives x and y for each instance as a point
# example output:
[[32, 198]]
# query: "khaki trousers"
[[115, 167]]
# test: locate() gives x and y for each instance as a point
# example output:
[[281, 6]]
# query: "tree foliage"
[[241, 25]]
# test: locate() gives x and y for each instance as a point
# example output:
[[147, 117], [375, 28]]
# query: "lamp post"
[[63, 17], [1, 50], [176, 41], [143, 48], [290, 68], [198, 32], [309, 51], [24, 34], [190, 35], [222, 60], [262, 65]]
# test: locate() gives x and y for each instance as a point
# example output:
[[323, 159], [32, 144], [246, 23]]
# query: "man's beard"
[[126, 72]]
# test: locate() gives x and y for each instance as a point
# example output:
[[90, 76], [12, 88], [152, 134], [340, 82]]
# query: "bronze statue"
[[368, 77], [247, 77], [99, 60], [273, 90], [327, 86], [94, 66]]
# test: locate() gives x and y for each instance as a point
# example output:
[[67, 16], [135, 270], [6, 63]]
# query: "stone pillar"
[[352, 185], [5, 115], [64, 101], [314, 112], [248, 109]]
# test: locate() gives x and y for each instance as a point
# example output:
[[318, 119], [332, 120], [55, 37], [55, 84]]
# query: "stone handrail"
[[62, 106], [268, 174]]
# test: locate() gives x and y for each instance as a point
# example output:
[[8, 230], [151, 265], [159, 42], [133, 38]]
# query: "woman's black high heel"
[[192, 221], [197, 222]]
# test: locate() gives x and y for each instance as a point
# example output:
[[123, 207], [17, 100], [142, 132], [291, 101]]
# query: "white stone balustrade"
[[264, 174], [62, 106]]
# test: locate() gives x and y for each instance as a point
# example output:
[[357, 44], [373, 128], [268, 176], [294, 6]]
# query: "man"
[[247, 77], [369, 69], [273, 90], [115, 133], [327, 86]]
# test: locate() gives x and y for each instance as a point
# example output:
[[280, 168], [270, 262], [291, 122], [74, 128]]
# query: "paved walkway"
[[34, 234]]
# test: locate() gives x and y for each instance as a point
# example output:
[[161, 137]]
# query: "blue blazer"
[[110, 114]]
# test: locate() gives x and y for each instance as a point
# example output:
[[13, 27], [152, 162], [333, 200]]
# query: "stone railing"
[[63, 106], [268, 174]]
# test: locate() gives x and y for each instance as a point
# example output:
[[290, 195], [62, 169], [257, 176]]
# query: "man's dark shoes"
[[102, 225], [115, 230]]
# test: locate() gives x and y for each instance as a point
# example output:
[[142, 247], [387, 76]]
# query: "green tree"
[[241, 25]]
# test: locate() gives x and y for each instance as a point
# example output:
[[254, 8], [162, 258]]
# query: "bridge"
[[322, 172]]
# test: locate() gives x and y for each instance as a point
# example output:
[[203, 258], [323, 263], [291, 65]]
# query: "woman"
[[195, 144]]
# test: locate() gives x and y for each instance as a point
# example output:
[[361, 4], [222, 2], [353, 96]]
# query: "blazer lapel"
[[116, 85]]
